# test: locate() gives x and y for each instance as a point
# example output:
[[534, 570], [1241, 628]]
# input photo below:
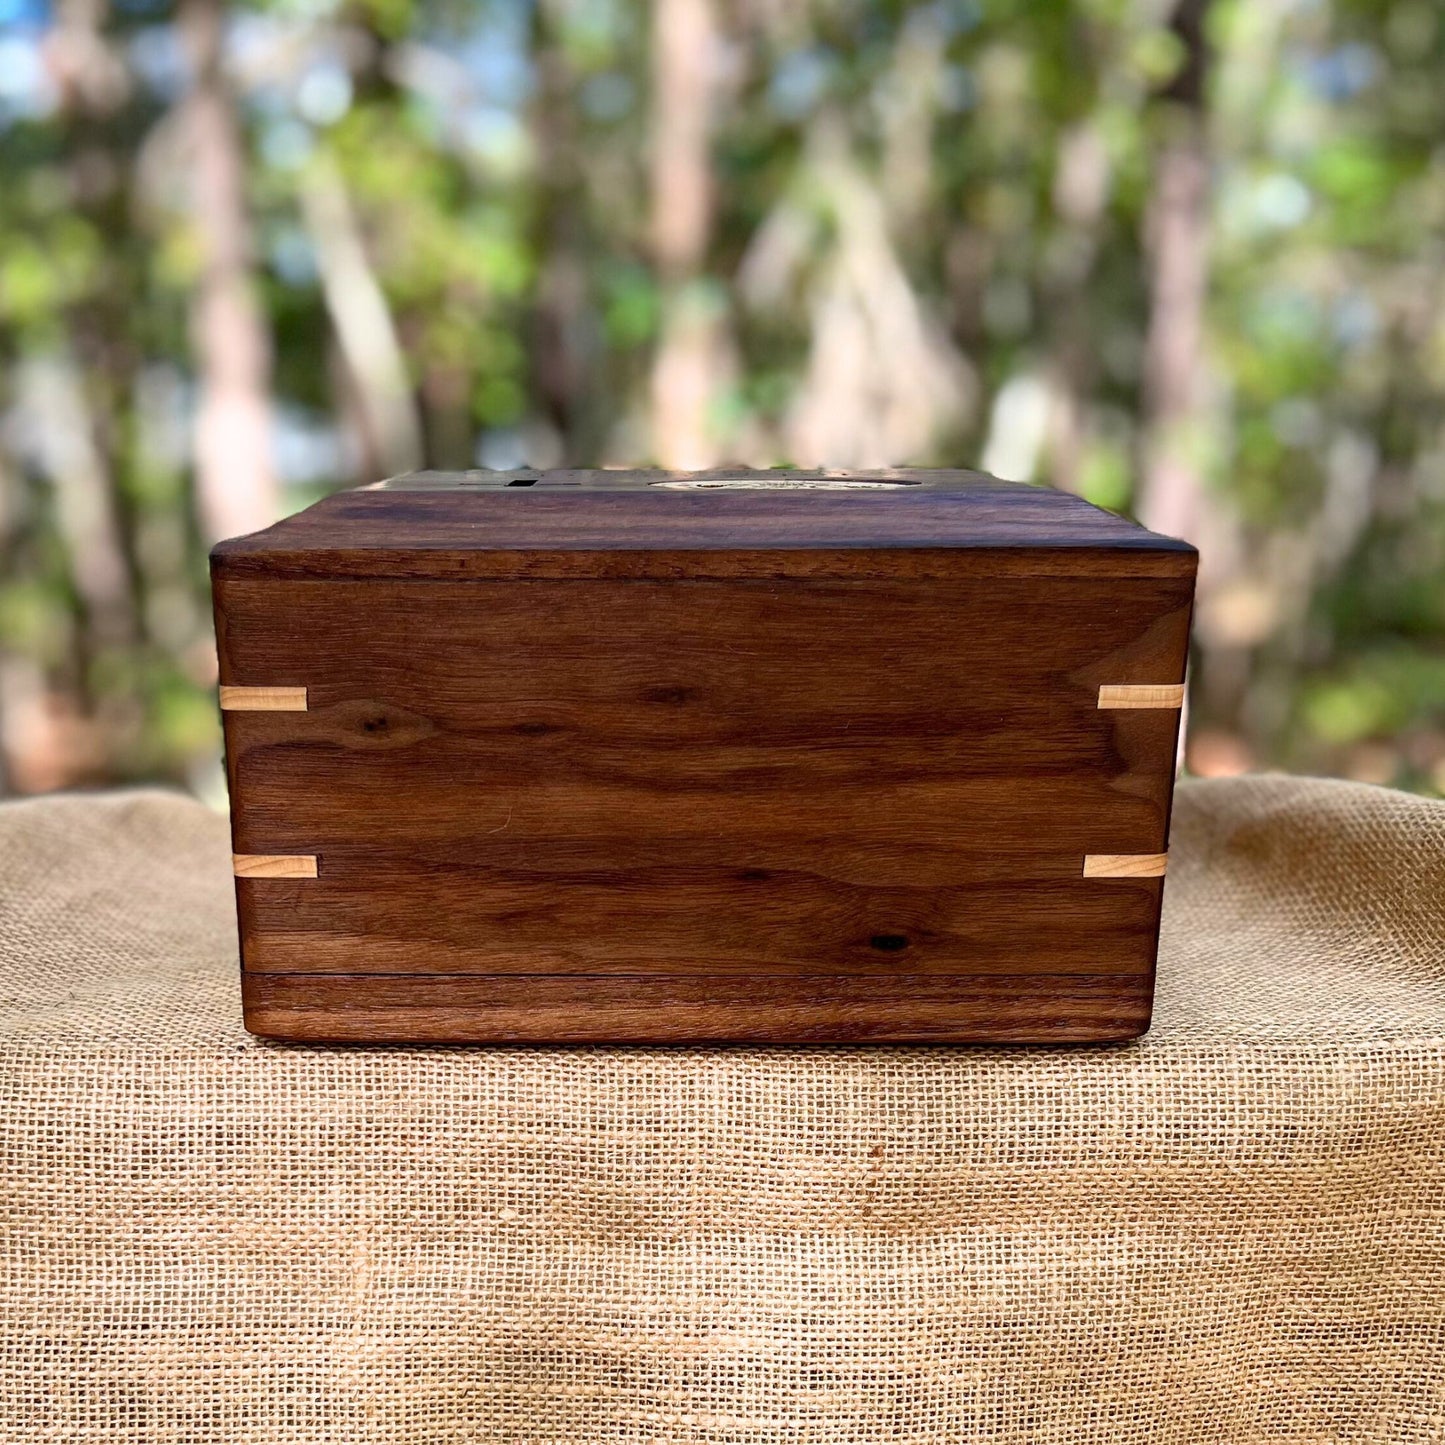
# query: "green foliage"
[[988, 166]]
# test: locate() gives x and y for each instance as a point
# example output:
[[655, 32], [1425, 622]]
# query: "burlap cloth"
[[1232, 1231]]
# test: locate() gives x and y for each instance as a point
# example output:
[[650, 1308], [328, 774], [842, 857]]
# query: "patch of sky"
[[468, 86], [286, 143], [305, 448], [799, 80], [26, 89], [28, 14], [260, 48], [955, 17], [164, 402], [324, 94], [293, 257], [497, 137], [1251, 204], [494, 54], [1355, 320], [156, 56], [1279, 201], [270, 100], [501, 450], [1017, 425], [1342, 73]]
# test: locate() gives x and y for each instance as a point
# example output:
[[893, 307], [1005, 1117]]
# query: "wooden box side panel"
[[657, 1009], [738, 782]]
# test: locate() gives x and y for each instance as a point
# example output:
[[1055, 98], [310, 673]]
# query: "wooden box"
[[602, 756]]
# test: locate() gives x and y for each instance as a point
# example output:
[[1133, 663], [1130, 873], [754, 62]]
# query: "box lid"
[[727, 522]]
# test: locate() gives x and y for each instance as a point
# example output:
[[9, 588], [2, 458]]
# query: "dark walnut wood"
[[582, 757], [761, 1008]]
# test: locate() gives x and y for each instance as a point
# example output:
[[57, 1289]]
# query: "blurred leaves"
[[928, 239]]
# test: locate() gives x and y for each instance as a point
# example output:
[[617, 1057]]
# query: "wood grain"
[[619, 762], [1039, 1008], [1142, 695], [937, 479], [625, 527], [718, 776], [273, 865], [1125, 865], [263, 699], [384, 919]]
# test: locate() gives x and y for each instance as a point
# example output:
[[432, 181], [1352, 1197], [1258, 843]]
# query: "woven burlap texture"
[[1231, 1231]]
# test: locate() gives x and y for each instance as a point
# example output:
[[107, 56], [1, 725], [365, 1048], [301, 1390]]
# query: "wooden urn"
[[658, 757]]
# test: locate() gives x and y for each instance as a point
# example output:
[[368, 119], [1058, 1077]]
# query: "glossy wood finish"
[[785, 804], [627, 527], [758, 1008]]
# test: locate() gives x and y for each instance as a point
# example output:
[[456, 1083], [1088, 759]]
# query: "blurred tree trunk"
[[1080, 194], [1177, 244], [685, 368], [1172, 497], [562, 347], [235, 478], [79, 432], [402, 416], [74, 394], [387, 428]]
